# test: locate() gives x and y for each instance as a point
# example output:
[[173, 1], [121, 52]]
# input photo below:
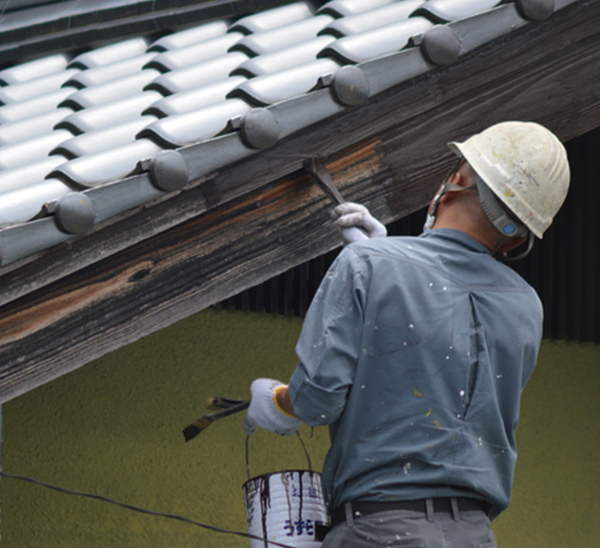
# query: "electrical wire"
[[143, 510]]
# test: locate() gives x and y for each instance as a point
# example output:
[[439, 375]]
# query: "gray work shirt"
[[415, 352]]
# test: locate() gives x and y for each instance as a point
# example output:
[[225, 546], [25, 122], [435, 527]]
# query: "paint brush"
[[228, 406], [316, 167], [219, 402]]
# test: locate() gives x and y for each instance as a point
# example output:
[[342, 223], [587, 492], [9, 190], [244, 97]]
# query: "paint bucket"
[[285, 507]]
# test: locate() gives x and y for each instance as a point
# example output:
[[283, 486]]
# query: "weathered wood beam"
[[502, 80], [390, 155]]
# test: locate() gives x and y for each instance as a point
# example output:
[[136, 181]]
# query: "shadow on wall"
[[114, 428]]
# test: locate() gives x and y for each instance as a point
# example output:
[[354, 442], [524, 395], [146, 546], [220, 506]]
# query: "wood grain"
[[164, 262]]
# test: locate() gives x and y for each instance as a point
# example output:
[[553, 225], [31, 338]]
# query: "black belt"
[[362, 508]]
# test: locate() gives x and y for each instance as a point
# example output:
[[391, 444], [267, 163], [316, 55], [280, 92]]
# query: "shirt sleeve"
[[328, 347]]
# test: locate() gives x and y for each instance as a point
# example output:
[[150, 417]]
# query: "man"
[[415, 352]]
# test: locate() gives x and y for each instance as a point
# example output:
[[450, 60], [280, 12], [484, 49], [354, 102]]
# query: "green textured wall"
[[556, 498], [114, 428]]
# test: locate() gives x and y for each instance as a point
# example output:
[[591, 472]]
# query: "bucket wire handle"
[[310, 466]]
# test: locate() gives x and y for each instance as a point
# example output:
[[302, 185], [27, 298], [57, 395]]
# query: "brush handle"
[[220, 402], [191, 431], [320, 174]]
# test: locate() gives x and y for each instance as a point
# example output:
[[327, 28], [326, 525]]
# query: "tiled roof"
[[83, 135]]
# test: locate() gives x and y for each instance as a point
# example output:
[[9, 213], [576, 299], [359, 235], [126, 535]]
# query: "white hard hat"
[[526, 167]]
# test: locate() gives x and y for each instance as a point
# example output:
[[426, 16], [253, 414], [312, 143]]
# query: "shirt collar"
[[456, 236]]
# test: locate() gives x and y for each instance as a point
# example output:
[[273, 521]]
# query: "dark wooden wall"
[[564, 267]]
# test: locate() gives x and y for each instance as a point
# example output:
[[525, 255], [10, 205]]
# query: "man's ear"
[[457, 178]]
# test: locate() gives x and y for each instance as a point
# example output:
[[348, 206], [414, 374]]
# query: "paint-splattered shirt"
[[415, 352]]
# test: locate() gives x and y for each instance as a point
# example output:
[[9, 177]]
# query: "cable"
[[143, 510]]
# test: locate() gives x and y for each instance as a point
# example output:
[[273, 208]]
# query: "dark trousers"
[[411, 529]]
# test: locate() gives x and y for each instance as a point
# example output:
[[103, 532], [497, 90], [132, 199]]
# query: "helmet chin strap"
[[523, 254]]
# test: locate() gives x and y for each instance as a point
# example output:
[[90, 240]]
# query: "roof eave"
[[247, 222]]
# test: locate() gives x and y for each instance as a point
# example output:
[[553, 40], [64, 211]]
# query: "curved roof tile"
[[31, 174], [194, 99], [109, 73], [35, 88], [298, 54], [23, 204], [272, 88], [194, 126], [376, 42], [281, 37], [103, 167], [109, 92], [87, 119], [190, 36], [342, 8], [194, 54], [34, 69], [271, 19], [109, 115], [22, 130], [26, 152], [109, 55], [444, 11], [41, 104], [100, 140], [198, 75], [375, 18]]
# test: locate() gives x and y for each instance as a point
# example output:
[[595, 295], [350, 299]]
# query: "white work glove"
[[349, 216], [264, 411]]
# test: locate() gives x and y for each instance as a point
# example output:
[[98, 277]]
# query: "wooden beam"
[[503, 80], [390, 155]]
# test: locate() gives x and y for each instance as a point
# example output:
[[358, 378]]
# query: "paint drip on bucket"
[[285, 507]]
